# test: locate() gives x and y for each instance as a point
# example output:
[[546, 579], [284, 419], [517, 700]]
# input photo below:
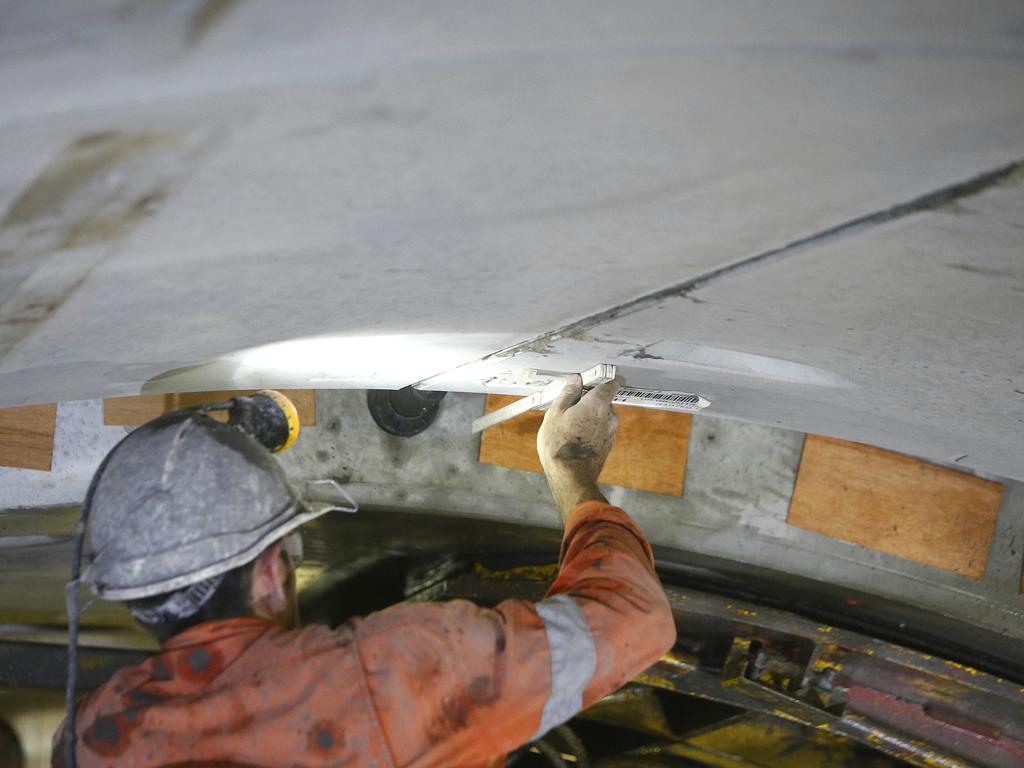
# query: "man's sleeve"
[[455, 684]]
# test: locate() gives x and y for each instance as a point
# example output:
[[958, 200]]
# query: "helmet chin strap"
[[71, 602]]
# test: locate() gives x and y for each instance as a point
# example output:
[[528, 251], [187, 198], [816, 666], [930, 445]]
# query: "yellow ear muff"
[[291, 414]]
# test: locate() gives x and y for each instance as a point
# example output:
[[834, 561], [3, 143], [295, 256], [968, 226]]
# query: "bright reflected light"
[[386, 361]]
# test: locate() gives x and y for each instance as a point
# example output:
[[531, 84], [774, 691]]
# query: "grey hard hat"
[[184, 498]]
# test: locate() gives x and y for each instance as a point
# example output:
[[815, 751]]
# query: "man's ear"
[[268, 577]]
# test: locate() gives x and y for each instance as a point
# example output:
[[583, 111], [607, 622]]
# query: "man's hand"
[[574, 441]]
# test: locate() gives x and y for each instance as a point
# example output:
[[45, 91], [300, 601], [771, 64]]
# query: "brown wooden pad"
[[649, 453], [896, 504], [26, 436], [128, 411]]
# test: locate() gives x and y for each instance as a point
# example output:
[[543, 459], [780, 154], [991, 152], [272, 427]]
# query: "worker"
[[450, 684]]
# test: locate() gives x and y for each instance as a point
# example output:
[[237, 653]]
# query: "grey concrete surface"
[[739, 480], [789, 208], [207, 195], [80, 442], [904, 334]]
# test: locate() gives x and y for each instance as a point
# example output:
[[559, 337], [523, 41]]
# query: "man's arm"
[[455, 684]]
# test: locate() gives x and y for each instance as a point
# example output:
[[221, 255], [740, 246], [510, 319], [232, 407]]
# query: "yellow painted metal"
[[754, 740], [636, 707], [540, 573]]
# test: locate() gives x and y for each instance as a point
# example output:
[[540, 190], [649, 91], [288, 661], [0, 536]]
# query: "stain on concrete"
[[1014, 178], [956, 207], [687, 293], [974, 269], [858, 53], [208, 15], [727, 493], [578, 334], [80, 197], [543, 345], [94, 191], [641, 353]]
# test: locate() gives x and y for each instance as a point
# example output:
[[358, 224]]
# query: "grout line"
[[1005, 567], [926, 202]]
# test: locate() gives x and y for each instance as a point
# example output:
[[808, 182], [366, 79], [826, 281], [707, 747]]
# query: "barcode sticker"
[[657, 398]]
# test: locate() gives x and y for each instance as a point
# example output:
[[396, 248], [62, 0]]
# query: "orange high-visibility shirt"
[[418, 684]]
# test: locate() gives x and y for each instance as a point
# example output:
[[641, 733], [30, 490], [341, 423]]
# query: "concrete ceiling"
[[809, 212]]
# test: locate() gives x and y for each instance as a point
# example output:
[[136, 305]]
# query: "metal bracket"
[[805, 692], [599, 374]]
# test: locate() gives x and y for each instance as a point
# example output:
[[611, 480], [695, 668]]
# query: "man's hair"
[[231, 597]]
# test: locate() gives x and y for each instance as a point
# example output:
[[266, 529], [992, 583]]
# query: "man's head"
[[187, 519], [191, 519]]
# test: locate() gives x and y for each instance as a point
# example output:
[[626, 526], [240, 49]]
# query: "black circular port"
[[404, 412]]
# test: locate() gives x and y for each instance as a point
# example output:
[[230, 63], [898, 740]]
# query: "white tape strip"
[[573, 659]]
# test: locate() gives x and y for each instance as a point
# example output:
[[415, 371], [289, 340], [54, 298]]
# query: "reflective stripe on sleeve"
[[573, 658]]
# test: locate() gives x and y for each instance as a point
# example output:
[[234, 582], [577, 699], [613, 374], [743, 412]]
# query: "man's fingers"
[[604, 393], [570, 394]]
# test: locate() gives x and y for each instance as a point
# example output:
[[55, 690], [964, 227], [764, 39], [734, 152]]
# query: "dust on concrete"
[[1014, 178], [578, 333], [80, 198], [975, 269], [95, 191], [955, 207], [542, 345], [207, 16]]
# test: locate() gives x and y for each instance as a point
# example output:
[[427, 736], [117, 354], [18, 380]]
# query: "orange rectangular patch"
[[896, 504], [649, 452], [26, 436], [129, 411]]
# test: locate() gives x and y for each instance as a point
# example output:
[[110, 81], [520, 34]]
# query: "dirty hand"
[[574, 441]]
